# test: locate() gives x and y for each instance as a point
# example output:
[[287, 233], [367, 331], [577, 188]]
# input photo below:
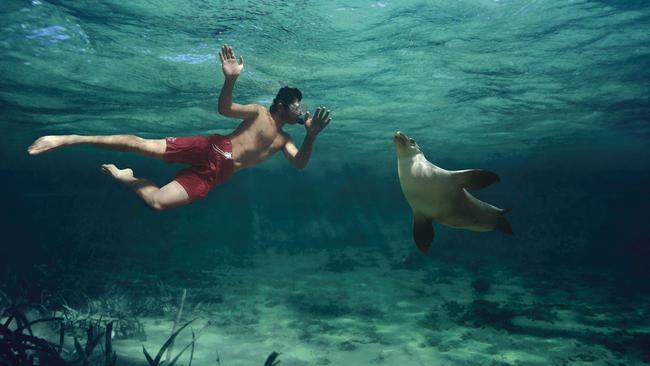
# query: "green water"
[[319, 264]]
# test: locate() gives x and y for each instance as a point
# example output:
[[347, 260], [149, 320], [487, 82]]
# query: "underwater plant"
[[19, 345], [92, 341], [270, 361], [157, 361]]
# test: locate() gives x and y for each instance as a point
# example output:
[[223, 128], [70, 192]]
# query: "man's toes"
[[120, 174]]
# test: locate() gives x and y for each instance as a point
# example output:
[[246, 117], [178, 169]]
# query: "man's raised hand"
[[229, 63], [318, 123]]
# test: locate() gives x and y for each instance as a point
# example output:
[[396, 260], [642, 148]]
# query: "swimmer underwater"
[[214, 158]]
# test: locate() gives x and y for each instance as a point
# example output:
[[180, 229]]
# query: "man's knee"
[[158, 202], [155, 203], [169, 196], [135, 142], [153, 148]]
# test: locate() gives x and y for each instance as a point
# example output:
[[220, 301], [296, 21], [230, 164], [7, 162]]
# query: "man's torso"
[[255, 139]]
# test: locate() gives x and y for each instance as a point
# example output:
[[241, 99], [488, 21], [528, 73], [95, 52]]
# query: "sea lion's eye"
[[412, 141]]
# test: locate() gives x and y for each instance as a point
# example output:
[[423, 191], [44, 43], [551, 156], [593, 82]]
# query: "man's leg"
[[151, 148], [169, 196]]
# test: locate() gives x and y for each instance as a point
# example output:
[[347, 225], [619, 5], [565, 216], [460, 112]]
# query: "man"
[[213, 158]]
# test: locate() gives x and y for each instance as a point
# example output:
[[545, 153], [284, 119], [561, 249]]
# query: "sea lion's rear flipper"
[[502, 223], [475, 178], [422, 232]]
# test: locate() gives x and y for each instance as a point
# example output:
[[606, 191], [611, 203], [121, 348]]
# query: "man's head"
[[287, 104]]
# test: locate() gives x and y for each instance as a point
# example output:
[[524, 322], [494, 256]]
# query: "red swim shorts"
[[210, 158]]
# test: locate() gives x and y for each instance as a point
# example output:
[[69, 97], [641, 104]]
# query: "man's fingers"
[[321, 117], [227, 53], [307, 116], [324, 114]]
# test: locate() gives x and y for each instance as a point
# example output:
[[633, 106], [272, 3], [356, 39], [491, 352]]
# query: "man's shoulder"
[[259, 106], [256, 107], [257, 111]]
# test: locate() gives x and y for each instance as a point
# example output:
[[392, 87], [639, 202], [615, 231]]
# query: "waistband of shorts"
[[222, 142], [221, 145]]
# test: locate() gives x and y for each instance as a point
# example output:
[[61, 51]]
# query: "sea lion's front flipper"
[[475, 178], [422, 232]]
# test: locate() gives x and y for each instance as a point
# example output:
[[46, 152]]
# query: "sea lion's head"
[[405, 146]]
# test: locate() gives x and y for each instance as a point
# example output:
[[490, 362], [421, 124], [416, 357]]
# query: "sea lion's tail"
[[502, 223]]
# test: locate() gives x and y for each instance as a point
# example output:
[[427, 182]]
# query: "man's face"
[[295, 111]]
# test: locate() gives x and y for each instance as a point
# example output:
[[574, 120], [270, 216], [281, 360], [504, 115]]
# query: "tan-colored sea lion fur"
[[441, 195]]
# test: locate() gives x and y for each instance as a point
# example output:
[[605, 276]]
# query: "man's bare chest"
[[260, 135]]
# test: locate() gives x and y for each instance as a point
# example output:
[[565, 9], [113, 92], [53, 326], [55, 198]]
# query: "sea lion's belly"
[[432, 192], [433, 197], [449, 205]]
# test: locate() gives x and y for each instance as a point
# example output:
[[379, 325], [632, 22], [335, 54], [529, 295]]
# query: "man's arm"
[[231, 70], [300, 158]]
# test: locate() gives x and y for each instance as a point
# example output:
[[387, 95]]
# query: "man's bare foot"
[[46, 143], [123, 175]]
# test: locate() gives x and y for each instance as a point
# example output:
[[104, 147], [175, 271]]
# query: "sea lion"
[[438, 194]]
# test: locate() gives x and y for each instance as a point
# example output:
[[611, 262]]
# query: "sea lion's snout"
[[399, 138], [404, 145]]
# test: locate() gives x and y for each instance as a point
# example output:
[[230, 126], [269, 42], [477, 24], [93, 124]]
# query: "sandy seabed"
[[358, 309]]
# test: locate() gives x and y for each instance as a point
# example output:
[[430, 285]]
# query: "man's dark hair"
[[286, 96]]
